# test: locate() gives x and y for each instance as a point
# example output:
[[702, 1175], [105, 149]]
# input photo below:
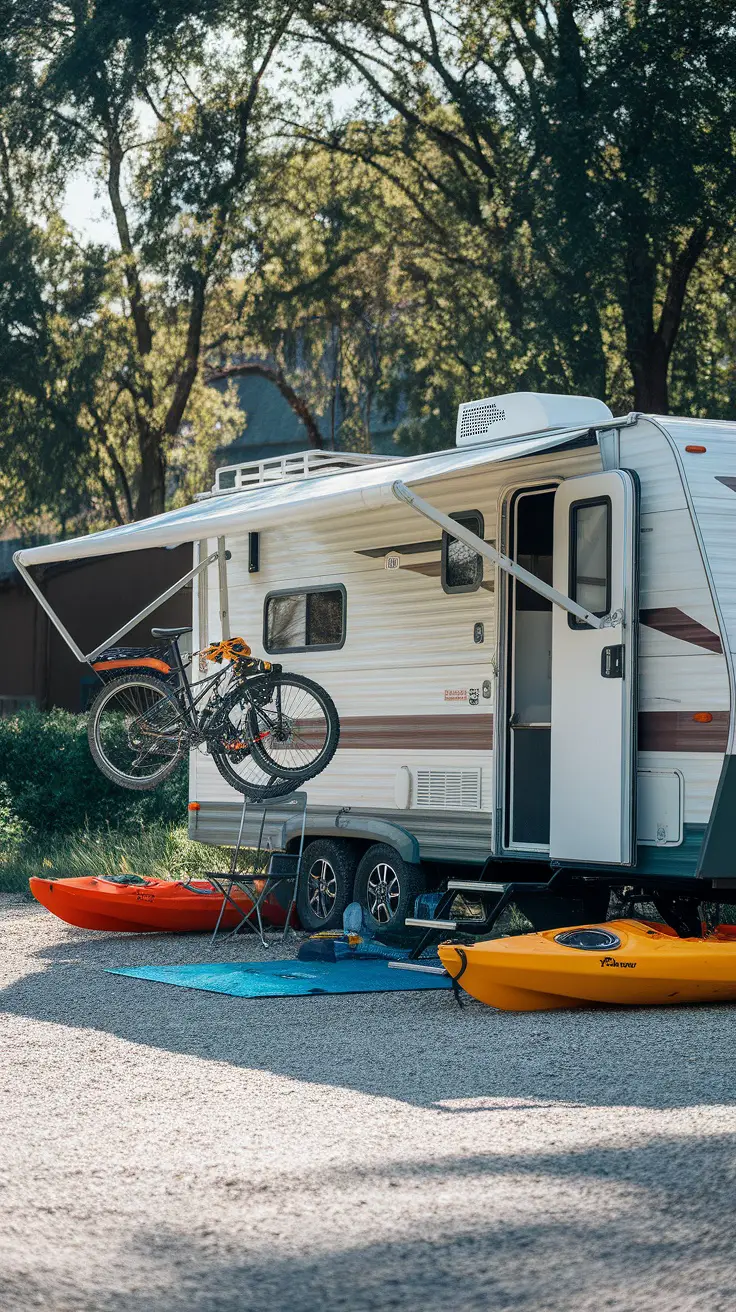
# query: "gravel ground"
[[166, 1149]]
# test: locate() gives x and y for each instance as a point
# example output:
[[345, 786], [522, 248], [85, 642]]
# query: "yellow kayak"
[[626, 962]]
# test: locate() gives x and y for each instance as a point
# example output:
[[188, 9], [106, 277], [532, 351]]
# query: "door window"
[[590, 557]]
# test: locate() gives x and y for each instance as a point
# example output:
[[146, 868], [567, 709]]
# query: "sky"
[[86, 212]]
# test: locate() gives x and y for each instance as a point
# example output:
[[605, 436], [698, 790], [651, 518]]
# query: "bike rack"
[[221, 556]]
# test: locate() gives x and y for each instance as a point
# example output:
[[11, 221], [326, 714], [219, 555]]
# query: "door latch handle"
[[612, 662]]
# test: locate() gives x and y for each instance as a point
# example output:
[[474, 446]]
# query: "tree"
[[589, 146], [175, 125], [332, 302]]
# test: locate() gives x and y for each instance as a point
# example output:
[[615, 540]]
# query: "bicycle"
[[267, 731]]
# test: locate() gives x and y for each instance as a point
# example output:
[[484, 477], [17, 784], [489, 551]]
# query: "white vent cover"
[[520, 413], [448, 790]]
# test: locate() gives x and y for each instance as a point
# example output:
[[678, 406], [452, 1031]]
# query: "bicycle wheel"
[[295, 735], [136, 731], [229, 744]]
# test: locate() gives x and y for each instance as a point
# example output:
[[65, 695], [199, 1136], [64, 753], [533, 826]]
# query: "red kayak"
[[145, 906]]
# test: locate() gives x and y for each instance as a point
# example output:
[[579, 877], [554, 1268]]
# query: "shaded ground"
[[165, 1149]]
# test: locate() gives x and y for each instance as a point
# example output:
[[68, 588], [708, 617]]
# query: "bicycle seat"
[[171, 633]]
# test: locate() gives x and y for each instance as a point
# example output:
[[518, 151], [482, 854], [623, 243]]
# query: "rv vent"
[[448, 790], [477, 419]]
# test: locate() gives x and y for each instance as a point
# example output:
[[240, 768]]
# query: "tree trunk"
[[649, 349], [649, 370], [151, 499]]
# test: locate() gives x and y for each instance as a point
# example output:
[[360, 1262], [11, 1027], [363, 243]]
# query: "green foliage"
[[158, 851], [13, 830], [578, 157], [52, 786], [517, 196], [115, 402]]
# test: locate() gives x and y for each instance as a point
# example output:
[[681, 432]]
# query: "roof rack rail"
[[249, 474]]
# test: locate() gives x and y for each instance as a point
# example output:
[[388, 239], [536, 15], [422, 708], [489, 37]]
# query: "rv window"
[[307, 620], [590, 557], [462, 568]]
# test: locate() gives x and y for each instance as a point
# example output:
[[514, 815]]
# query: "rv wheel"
[[386, 887], [326, 883]]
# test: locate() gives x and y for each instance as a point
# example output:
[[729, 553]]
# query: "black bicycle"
[[267, 731]]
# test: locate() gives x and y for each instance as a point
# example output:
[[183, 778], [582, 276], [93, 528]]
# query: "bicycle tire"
[[109, 689], [260, 752], [253, 789]]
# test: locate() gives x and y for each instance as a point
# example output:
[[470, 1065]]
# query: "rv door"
[[593, 739]]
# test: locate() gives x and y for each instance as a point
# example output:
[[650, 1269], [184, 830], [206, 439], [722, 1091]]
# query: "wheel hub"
[[322, 888], [383, 893]]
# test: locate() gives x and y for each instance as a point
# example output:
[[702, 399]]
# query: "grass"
[[159, 851]]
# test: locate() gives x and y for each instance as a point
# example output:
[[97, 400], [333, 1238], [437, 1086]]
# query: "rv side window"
[[462, 568], [310, 619], [590, 557]]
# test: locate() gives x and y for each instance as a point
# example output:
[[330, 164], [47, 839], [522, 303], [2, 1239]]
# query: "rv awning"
[[265, 507]]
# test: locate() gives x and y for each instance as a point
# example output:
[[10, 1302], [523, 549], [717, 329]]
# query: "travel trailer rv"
[[529, 638]]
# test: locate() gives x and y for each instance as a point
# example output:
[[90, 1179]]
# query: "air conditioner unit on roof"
[[498, 418]]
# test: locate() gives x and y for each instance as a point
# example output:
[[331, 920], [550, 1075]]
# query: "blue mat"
[[288, 979]]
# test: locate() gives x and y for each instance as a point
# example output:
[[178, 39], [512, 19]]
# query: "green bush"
[[52, 785], [160, 851], [12, 829]]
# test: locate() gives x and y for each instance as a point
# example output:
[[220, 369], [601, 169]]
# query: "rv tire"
[[326, 883], [387, 887]]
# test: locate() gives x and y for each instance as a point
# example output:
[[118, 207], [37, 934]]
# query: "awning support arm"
[[457, 530], [222, 557], [147, 610]]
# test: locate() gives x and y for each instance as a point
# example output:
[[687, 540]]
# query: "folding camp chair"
[[271, 869]]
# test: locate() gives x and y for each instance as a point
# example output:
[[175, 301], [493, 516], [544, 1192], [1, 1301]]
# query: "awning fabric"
[[265, 507]]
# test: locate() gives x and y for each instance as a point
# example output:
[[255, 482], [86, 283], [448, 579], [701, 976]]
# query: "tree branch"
[[109, 491], [682, 267], [256, 369], [138, 308]]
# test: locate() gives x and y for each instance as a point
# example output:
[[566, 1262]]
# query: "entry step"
[[474, 886], [430, 924]]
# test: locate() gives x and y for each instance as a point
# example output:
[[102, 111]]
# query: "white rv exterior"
[[421, 699], [482, 718]]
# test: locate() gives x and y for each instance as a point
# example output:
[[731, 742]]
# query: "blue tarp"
[[288, 979]]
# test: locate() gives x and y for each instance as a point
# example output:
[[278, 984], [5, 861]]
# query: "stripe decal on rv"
[[402, 549], [675, 623], [659, 731], [677, 731], [409, 549], [432, 569], [727, 482], [449, 733]]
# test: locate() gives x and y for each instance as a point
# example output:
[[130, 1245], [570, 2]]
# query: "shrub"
[[159, 850], [52, 785], [13, 830]]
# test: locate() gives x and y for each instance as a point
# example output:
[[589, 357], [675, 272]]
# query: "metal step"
[[474, 886], [417, 965], [430, 924]]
